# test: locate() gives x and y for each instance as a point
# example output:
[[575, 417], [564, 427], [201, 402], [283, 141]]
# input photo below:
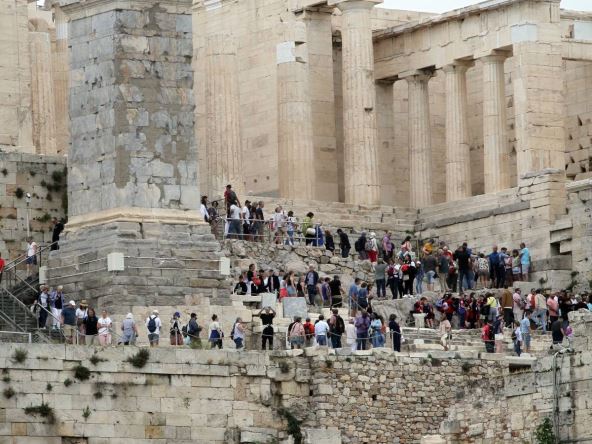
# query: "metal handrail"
[[22, 258]]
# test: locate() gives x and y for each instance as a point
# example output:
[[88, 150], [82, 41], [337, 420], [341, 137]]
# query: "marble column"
[[420, 141], [61, 79], [495, 137], [295, 132], [224, 153], [42, 93], [458, 159], [362, 184]]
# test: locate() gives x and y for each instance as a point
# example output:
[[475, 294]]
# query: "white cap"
[[155, 312], [72, 303]]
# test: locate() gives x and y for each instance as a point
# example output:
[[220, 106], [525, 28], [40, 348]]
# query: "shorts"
[[153, 337], [430, 276], [299, 340], [525, 268], [526, 339], [31, 260]]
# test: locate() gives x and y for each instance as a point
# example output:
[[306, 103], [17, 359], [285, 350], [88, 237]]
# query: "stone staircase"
[[16, 317]]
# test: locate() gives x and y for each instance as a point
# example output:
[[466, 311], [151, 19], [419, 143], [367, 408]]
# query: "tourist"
[[452, 278], [380, 279], [68, 320], [291, 225], [525, 330], [301, 287], [279, 222], [395, 332], [419, 277], [351, 338], [557, 333], [241, 286], [473, 314], [321, 331], [387, 246], [326, 292], [329, 242], [492, 303], [336, 292], [309, 330], [569, 334], [58, 227], [213, 212], [129, 330], [230, 197], [505, 267], [376, 337], [517, 338], [259, 221], [203, 209], [429, 265], [507, 303], [297, 334], [445, 333], [406, 248], [81, 313], [153, 325], [362, 324], [362, 299], [371, 248], [308, 229], [246, 218], [291, 285], [482, 270], [234, 220], [392, 273], [312, 281], [409, 272], [43, 302], [463, 257], [337, 328], [31, 252], [352, 295], [516, 269], [487, 335], [517, 305], [91, 329], [193, 331], [56, 302], [237, 334], [266, 315], [494, 261], [272, 282], [344, 244], [360, 246], [176, 337], [498, 331], [216, 334], [104, 325], [540, 310], [524, 261]]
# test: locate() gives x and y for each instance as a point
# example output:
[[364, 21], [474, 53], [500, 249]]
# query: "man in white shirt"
[[246, 216], [321, 331], [31, 255], [279, 221], [234, 230], [517, 338], [44, 305], [153, 325]]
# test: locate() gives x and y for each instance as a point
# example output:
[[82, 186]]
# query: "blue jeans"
[[377, 339], [419, 284], [380, 287], [322, 340], [312, 292], [335, 340], [238, 342], [540, 317], [362, 339]]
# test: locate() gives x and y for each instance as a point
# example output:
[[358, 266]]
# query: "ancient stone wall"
[[578, 240], [44, 177]]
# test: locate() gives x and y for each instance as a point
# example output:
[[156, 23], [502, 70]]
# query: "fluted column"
[[42, 99], [359, 103], [458, 160], [224, 154], [61, 76], [420, 141], [295, 134], [495, 137]]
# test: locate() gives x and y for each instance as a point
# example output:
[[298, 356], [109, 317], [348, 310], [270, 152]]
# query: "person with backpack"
[[153, 325], [336, 328], [487, 336], [312, 281], [216, 333], [193, 329], [360, 246], [309, 332], [297, 334], [392, 273], [344, 244], [371, 248], [362, 299], [175, 330], [376, 336], [237, 334]]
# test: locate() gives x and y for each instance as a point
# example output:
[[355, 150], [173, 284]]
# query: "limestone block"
[[294, 307]]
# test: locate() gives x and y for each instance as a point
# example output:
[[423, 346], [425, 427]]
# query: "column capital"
[[417, 75], [494, 58], [344, 5], [458, 66]]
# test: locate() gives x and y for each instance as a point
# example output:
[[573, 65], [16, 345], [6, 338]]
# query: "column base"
[[165, 260]]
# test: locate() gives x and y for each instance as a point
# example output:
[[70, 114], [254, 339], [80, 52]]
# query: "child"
[[517, 337]]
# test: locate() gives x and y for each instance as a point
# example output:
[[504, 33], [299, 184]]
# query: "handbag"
[[311, 231]]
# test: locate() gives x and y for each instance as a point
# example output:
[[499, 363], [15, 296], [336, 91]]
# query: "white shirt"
[[157, 322], [204, 211], [350, 333], [235, 212], [518, 333], [321, 328], [279, 219], [246, 213], [31, 249], [104, 324], [80, 313], [43, 299]]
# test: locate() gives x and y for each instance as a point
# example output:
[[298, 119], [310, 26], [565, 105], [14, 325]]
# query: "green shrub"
[[95, 359], [140, 359], [544, 432], [81, 372], [293, 425], [86, 413], [8, 392], [49, 387], [43, 410], [19, 356], [19, 193], [67, 382]]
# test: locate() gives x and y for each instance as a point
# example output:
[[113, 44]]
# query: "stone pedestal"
[[458, 157], [295, 132], [495, 137], [224, 153], [420, 141], [132, 179], [362, 184]]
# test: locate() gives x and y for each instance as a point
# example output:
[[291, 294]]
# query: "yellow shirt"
[[492, 302]]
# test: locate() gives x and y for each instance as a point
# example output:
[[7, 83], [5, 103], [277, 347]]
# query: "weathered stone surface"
[[294, 307]]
